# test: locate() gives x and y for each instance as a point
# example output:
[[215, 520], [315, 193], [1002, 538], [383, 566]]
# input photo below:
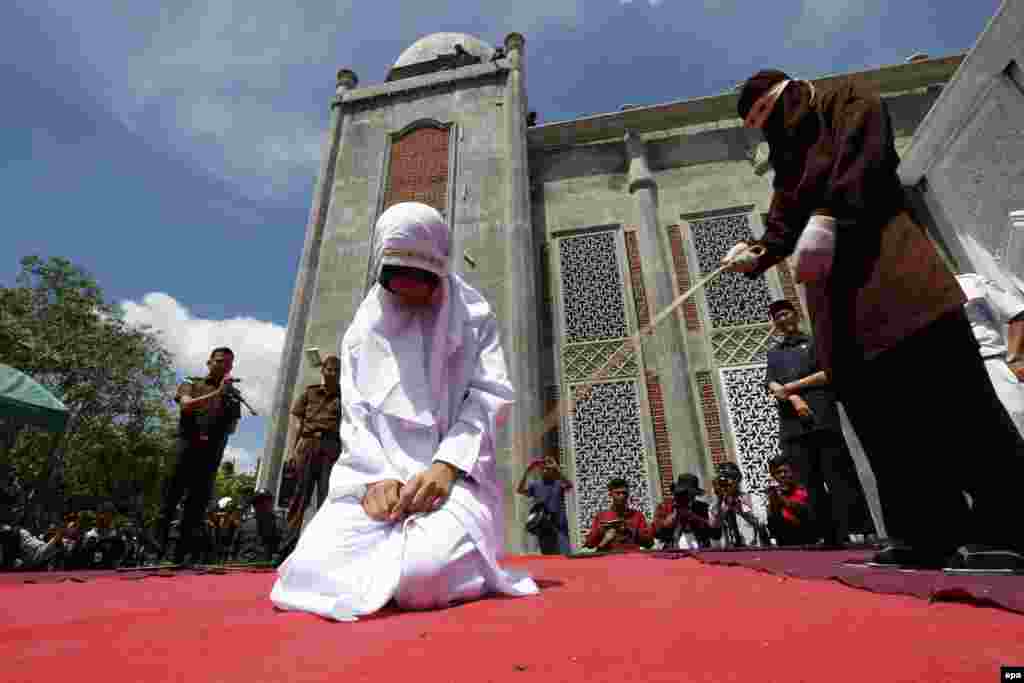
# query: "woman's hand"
[[381, 498], [426, 491]]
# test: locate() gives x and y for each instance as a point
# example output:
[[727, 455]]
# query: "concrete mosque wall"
[[635, 207], [967, 159], [578, 232]]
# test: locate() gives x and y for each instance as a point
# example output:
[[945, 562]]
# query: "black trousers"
[[822, 459], [194, 475], [933, 428], [785, 533]]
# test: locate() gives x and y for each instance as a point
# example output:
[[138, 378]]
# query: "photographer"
[[620, 528], [683, 521], [549, 492], [731, 505], [103, 546], [19, 549], [790, 517], [260, 535], [210, 410]]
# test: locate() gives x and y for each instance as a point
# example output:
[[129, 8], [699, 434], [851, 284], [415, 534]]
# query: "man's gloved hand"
[[800, 406], [741, 258], [815, 249]]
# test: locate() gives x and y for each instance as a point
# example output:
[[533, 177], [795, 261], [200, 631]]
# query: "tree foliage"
[[115, 379], [238, 486]]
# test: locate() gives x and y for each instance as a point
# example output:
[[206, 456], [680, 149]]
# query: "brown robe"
[[888, 280]]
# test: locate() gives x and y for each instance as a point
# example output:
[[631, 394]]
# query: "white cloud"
[[257, 344], [241, 89], [820, 21], [244, 459]]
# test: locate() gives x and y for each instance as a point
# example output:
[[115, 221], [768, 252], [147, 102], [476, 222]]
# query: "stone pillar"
[[521, 325], [302, 296], [664, 350]]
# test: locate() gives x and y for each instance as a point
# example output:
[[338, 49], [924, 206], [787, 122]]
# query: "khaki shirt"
[[200, 419], [318, 412]]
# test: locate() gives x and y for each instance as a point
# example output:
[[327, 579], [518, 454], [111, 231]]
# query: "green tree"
[[236, 485], [115, 379]]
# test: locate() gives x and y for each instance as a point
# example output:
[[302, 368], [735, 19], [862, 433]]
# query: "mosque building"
[[579, 232]]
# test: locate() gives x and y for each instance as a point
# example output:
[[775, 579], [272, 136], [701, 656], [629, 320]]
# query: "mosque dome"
[[438, 45]]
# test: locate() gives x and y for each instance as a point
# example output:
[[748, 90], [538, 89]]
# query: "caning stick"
[[635, 342]]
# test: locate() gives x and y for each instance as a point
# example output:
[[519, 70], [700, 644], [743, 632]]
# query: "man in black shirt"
[[809, 429], [209, 414]]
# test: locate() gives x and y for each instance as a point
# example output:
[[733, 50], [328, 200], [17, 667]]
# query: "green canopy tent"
[[24, 401]]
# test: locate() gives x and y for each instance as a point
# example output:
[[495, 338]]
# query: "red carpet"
[[618, 618]]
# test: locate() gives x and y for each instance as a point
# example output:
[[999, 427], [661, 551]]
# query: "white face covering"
[[764, 105], [406, 348]]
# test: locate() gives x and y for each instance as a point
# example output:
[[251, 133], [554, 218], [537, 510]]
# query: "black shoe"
[[983, 558], [906, 557]]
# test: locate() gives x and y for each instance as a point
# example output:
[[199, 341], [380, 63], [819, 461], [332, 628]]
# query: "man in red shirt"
[[619, 528], [789, 512]]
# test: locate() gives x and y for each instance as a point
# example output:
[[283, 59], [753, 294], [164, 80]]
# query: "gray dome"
[[431, 47]]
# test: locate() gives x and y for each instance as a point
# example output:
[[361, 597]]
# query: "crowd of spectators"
[[689, 518], [105, 538]]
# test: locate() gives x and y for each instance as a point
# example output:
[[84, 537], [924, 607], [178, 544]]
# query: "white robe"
[[989, 308], [345, 564]]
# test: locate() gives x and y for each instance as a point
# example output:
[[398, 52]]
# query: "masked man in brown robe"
[[889, 324]]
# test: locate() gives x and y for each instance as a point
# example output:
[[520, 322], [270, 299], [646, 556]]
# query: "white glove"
[[740, 259], [815, 249]]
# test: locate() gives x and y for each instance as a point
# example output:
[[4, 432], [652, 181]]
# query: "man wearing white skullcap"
[[415, 506]]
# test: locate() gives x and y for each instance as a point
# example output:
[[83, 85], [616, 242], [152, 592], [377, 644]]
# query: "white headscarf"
[[403, 371]]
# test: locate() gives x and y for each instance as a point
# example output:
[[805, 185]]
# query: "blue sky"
[[170, 148]]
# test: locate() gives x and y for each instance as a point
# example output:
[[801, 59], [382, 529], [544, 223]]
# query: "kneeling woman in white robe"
[[415, 506]]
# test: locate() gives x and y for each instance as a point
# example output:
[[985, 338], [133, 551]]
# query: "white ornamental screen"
[[591, 288], [732, 298], [608, 443], [605, 429], [753, 419]]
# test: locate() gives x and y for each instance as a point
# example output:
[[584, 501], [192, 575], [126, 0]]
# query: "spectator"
[[997, 320], [19, 549], [809, 429], [228, 522], [72, 537], [549, 492], [259, 536], [103, 546], [683, 521], [732, 505], [619, 528], [790, 518], [207, 545]]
